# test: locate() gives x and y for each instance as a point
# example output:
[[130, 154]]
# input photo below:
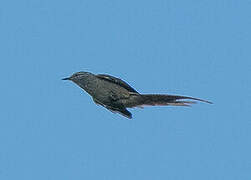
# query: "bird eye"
[[75, 75]]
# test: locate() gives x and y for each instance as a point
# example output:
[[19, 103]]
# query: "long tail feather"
[[165, 100]]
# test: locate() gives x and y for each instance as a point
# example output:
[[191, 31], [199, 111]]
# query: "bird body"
[[116, 95]]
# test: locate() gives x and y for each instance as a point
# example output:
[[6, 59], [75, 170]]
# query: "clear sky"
[[50, 129]]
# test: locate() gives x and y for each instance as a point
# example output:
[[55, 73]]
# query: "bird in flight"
[[116, 95]]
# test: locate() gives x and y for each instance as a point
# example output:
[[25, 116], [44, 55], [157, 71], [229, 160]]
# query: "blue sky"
[[51, 129]]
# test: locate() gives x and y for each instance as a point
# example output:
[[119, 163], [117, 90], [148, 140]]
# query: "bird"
[[116, 95]]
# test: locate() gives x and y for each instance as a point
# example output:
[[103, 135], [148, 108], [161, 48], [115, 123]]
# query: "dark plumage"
[[116, 95]]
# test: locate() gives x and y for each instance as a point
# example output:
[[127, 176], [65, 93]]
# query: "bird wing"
[[118, 109], [123, 111], [116, 81]]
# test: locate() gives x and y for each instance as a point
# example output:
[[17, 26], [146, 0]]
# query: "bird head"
[[78, 76]]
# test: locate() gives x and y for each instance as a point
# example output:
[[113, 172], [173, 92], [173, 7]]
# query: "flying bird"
[[116, 95]]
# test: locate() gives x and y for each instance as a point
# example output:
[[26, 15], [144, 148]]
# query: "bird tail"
[[165, 100]]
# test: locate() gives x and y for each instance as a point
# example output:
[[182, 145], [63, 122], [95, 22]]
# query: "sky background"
[[50, 129]]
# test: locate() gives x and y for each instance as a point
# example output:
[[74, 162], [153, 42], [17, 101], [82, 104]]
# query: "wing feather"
[[116, 81]]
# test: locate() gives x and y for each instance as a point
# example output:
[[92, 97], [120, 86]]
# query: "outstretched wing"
[[116, 81]]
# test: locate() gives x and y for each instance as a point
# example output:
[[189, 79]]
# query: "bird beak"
[[66, 79]]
